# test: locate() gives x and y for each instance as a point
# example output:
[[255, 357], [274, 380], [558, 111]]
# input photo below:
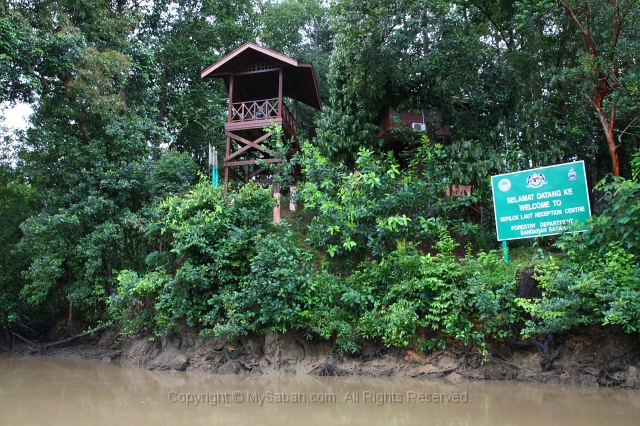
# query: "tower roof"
[[299, 78]]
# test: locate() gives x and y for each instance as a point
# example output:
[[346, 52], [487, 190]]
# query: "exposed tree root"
[[70, 339], [327, 369], [612, 364], [60, 342], [543, 348], [25, 340]]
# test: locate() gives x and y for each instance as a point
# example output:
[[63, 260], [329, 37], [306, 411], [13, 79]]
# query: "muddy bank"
[[591, 356]]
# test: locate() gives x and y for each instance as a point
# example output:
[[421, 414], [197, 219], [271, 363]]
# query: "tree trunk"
[[85, 133], [604, 86], [611, 142], [70, 320]]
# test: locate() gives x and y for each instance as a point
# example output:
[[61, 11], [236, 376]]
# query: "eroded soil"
[[591, 356]]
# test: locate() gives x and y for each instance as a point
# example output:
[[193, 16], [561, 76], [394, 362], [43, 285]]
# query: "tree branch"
[[625, 130], [83, 129], [509, 41], [586, 34], [87, 333], [591, 100]]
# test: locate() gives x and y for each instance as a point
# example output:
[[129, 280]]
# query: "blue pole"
[[505, 251]]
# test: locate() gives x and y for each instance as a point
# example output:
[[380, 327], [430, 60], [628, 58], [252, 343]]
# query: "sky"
[[14, 118]]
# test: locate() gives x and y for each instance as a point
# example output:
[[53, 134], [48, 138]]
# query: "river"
[[59, 391]]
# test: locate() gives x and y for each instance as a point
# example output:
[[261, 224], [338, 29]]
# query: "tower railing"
[[262, 110]]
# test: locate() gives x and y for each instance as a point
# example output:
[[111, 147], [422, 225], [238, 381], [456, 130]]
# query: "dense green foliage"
[[229, 270], [603, 289], [620, 219], [232, 272], [367, 212], [107, 213], [471, 299], [17, 204], [510, 77]]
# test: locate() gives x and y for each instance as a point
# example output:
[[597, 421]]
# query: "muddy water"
[[56, 391]]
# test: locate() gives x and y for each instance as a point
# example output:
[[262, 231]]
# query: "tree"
[[16, 203], [175, 41], [17, 53], [300, 29], [94, 157], [112, 85], [610, 69]]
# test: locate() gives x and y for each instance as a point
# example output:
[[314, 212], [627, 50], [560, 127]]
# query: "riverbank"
[[591, 356]]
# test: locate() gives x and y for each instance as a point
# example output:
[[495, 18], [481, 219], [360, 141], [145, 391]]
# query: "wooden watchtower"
[[259, 81]]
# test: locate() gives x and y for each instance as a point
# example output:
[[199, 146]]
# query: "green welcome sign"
[[544, 201]]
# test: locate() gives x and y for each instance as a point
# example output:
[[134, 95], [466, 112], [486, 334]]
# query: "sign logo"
[[504, 185], [536, 180], [572, 175]]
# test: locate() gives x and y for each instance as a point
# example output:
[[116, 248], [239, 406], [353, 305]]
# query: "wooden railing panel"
[[254, 110], [288, 121], [262, 110]]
